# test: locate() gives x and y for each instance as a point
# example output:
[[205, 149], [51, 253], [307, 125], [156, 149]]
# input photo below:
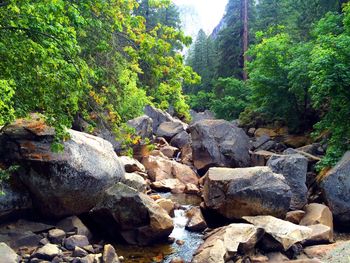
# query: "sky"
[[197, 14]]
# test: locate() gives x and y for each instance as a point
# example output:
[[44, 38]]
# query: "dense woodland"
[[298, 66], [103, 61]]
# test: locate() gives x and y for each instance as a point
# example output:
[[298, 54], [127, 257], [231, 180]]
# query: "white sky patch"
[[197, 14]]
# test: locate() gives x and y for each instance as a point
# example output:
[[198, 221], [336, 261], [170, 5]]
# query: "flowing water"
[[166, 252]]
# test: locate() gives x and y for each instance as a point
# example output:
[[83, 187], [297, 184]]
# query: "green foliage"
[[231, 97], [201, 101], [6, 106], [101, 59], [330, 77]]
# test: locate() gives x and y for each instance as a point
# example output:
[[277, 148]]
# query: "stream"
[[164, 253]]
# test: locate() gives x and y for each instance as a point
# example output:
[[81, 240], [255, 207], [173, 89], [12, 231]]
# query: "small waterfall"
[[180, 221]]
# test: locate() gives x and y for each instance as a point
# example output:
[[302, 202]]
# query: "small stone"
[[180, 242], [79, 252], [167, 205], [171, 240], [196, 220], [91, 249], [76, 240], [56, 235], [34, 260], [121, 258], [109, 255], [47, 252], [74, 224]]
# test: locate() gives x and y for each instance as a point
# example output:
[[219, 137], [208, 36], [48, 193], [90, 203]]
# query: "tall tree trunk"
[[245, 38]]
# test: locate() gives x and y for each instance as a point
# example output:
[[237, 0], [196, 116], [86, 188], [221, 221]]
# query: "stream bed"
[[166, 252]]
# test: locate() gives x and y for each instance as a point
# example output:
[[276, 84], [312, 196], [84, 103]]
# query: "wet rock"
[[56, 235], [286, 233], [109, 255], [47, 252], [295, 216], [219, 143], [336, 189], [7, 255], [294, 169], [167, 205], [132, 165], [180, 242], [222, 244], [133, 215], [76, 241], [169, 129], [143, 126], [239, 192], [15, 200], [169, 151], [74, 224], [196, 221], [65, 183], [181, 139], [135, 181], [318, 214]]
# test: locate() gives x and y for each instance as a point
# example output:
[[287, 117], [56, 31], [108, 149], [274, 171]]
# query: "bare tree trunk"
[[245, 38]]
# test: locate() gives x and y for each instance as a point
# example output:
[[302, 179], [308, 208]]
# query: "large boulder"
[[239, 192], [181, 139], [125, 212], [143, 126], [222, 244], [65, 183], [294, 169], [158, 116], [336, 190], [219, 143], [284, 232], [15, 200], [199, 116]]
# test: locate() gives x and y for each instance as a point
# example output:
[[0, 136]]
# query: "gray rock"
[[181, 139], [56, 235], [260, 141], [336, 189], [222, 244], [74, 224], [47, 252], [133, 215], [239, 192], [199, 116], [143, 126], [219, 143], [135, 181], [158, 116], [7, 255], [65, 183], [14, 201], [76, 241], [294, 169], [169, 129]]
